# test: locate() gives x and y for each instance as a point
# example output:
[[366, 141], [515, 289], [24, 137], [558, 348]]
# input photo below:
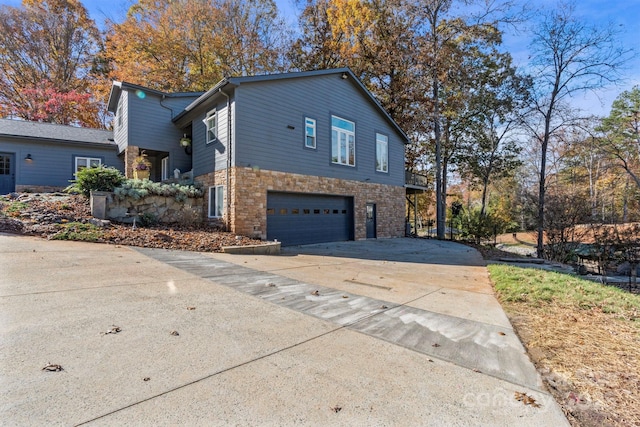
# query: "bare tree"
[[568, 57]]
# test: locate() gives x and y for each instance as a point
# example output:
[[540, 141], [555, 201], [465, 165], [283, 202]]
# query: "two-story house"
[[301, 158]]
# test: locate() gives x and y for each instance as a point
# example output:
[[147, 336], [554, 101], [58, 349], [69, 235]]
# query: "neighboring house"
[[44, 157], [299, 157]]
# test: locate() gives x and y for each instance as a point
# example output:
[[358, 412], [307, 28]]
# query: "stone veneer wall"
[[38, 189], [130, 153], [249, 199], [165, 209]]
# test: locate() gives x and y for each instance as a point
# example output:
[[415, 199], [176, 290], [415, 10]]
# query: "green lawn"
[[535, 286]]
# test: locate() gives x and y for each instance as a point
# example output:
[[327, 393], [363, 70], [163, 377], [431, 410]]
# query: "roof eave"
[[58, 140], [202, 99]]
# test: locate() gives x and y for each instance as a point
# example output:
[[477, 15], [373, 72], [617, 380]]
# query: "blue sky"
[[624, 14]]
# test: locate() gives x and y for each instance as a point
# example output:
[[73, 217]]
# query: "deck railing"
[[412, 178]]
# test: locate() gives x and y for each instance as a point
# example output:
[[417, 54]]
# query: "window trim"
[[164, 168], [347, 134], [218, 206], [211, 116], [308, 121], [386, 146], [88, 159]]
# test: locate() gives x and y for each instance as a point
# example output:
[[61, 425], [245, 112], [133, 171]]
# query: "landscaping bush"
[[139, 188], [100, 178]]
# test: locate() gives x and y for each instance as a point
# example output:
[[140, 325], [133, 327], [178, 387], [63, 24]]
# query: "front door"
[[371, 221], [7, 173]]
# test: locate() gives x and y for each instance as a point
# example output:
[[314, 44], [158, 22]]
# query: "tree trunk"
[[440, 212]]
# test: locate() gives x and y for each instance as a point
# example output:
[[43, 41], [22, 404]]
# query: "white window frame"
[[119, 112], [343, 141], [165, 168], [309, 132], [216, 201], [88, 161], [211, 122], [382, 153]]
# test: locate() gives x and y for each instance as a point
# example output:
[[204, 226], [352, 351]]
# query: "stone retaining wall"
[[38, 189], [168, 210]]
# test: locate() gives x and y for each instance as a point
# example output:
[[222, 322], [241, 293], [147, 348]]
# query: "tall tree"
[[491, 148], [373, 37], [621, 130], [48, 45], [568, 57], [447, 39], [188, 45]]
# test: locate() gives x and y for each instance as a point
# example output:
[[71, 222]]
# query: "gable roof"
[[54, 132], [118, 87], [237, 81]]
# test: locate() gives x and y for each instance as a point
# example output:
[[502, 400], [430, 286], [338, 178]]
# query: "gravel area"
[[60, 216]]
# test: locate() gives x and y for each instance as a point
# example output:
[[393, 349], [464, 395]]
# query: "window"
[[87, 162], [211, 123], [343, 141], [216, 201], [165, 168], [310, 132], [119, 112], [382, 153]]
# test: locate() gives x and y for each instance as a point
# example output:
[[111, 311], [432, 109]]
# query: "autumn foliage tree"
[[47, 50], [188, 45]]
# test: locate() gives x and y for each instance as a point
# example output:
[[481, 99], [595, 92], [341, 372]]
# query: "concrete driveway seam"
[[479, 347]]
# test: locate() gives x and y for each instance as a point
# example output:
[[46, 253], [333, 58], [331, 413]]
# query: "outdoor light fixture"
[[185, 142], [28, 158], [344, 76]]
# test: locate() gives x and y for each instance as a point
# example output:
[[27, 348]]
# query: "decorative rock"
[[100, 222]]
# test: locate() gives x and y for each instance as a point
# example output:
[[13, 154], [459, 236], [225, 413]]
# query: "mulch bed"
[[43, 215]]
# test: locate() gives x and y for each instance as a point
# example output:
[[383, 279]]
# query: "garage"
[[301, 219]]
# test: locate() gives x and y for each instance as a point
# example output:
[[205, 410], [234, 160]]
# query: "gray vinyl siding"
[[120, 131], [266, 111], [210, 157], [150, 126], [53, 163]]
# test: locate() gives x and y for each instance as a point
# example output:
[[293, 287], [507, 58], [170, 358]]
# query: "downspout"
[[228, 176]]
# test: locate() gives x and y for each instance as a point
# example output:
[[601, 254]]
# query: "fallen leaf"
[[316, 293], [191, 308], [384, 307], [270, 285], [345, 296], [146, 379], [526, 399], [112, 330], [174, 333], [501, 333], [336, 409], [52, 368], [435, 345], [477, 370]]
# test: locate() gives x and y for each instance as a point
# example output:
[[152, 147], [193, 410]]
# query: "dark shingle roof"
[[53, 132]]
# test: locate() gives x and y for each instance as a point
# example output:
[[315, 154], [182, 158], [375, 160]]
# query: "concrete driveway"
[[372, 333]]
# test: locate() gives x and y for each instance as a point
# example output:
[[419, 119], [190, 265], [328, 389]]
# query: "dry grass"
[[584, 339]]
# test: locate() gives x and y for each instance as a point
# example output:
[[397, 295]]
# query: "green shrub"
[[148, 220], [100, 178], [477, 227]]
